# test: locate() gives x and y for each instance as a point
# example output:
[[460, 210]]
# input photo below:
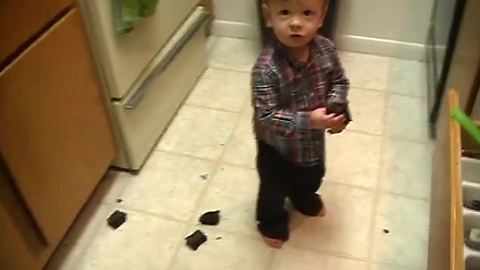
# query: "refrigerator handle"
[[158, 67]]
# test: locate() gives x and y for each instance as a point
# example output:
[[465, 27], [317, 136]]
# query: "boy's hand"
[[319, 119], [336, 130], [339, 124]]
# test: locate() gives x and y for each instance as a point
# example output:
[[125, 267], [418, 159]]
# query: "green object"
[[127, 13], [473, 239], [466, 122]]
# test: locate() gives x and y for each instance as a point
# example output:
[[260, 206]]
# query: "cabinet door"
[[446, 213], [54, 130], [21, 19], [21, 246], [476, 107]]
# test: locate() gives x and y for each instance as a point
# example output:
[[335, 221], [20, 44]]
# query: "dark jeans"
[[280, 179]]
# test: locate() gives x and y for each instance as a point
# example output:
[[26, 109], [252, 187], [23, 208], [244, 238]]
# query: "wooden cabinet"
[[446, 213], [22, 19], [476, 107], [21, 245], [55, 141]]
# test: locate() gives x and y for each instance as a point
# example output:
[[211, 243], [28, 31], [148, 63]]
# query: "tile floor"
[[377, 182]]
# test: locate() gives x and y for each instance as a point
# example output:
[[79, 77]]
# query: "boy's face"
[[295, 22]]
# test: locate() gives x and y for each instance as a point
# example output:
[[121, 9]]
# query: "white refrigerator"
[[148, 72]]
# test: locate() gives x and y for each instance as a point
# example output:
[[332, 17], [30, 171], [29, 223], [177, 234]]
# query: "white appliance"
[[148, 72]]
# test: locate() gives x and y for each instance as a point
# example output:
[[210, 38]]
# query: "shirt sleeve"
[[268, 113], [340, 83]]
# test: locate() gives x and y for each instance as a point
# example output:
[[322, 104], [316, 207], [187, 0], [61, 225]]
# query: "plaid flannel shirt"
[[284, 93]]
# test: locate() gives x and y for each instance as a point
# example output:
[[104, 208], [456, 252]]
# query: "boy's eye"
[[308, 13], [284, 12]]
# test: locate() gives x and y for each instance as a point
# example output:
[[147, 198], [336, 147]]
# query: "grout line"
[[211, 108], [88, 242], [331, 254], [157, 146], [376, 198], [335, 182], [241, 166], [218, 67], [379, 136], [383, 134], [184, 155], [148, 213], [185, 104], [387, 92], [220, 163], [403, 139], [230, 141], [187, 229], [287, 245], [229, 37], [216, 167], [410, 197], [399, 138], [378, 191], [363, 132], [380, 56], [112, 206], [269, 265]]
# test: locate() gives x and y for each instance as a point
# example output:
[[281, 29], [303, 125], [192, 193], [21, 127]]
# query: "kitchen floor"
[[376, 189]]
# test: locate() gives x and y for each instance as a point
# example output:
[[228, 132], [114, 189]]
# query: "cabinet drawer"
[[20, 19], [55, 135]]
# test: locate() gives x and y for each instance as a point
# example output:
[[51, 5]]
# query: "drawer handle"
[[136, 98]]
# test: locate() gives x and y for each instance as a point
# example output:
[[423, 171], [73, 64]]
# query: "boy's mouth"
[[296, 36]]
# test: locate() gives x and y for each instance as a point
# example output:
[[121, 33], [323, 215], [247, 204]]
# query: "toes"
[[273, 243], [278, 244], [323, 212]]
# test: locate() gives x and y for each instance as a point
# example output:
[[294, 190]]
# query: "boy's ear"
[[324, 14], [266, 14]]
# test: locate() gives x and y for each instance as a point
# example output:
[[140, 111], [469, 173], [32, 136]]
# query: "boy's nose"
[[295, 24]]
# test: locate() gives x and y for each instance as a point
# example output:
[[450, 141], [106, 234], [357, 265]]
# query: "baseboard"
[[235, 29], [377, 46], [384, 47]]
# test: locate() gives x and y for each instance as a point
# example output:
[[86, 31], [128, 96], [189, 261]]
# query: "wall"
[[386, 27], [236, 18]]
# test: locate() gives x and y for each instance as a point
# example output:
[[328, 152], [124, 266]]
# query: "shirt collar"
[[293, 62]]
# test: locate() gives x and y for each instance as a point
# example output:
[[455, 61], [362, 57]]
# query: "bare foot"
[[273, 243]]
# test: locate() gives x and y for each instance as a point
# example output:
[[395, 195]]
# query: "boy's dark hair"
[[268, 1]]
